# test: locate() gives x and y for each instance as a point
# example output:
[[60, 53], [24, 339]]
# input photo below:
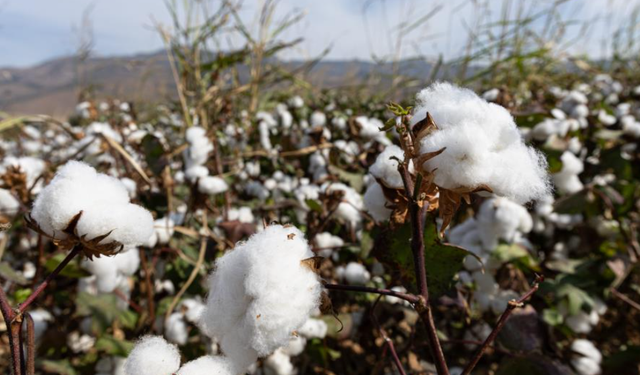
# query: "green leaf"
[[62, 367], [103, 309], [552, 317], [72, 269], [8, 273], [314, 205], [530, 120], [153, 153], [442, 260], [114, 346]]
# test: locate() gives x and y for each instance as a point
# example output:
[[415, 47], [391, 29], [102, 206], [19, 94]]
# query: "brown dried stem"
[[14, 341], [388, 342], [72, 254], [31, 346], [417, 214], [501, 322]]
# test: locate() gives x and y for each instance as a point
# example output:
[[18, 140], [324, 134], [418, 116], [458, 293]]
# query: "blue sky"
[[32, 31]]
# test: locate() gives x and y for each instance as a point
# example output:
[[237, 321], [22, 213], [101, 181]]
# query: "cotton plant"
[[587, 358], [260, 293]]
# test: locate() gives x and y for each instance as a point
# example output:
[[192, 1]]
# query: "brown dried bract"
[[450, 200], [313, 264], [90, 247]]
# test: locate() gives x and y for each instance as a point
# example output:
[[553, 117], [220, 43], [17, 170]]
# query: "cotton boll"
[[587, 349], [318, 119], [313, 328], [356, 274], [260, 293], [104, 203], [499, 218], [152, 355], [279, 364], [606, 118], [175, 329], [195, 172], [376, 203], [163, 229], [385, 168], [327, 242], [106, 272], [31, 167], [80, 343], [295, 346], [586, 366], [131, 186], [212, 185], [242, 214], [396, 300], [9, 205], [483, 146], [352, 203], [567, 180], [193, 309], [579, 323], [208, 365]]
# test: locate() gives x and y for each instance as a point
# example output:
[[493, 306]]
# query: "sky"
[[33, 31]]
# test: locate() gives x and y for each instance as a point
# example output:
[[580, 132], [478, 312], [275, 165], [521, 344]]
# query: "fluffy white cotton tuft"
[[152, 355], [103, 200], [212, 185], [483, 145], [9, 205], [349, 208], [567, 180], [356, 274], [260, 293], [385, 168], [208, 365], [376, 203]]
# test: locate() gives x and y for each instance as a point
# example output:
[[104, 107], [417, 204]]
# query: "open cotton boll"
[[356, 274], [30, 166], [9, 205], [376, 203], [278, 363], [386, 167], [152, 355], [349, 208], [131, 186], [500, 218], [587, 349], [195, 172], [193, 309], [208, 365], [370, 130], [327, 242], [212, 185], [103, 200], [483, 145], [242, 214], [259, 293], [318, 119], [567, 180], [586, 366], [313, 328], [175, 329]]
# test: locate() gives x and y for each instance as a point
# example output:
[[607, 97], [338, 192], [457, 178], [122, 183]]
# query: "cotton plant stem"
[[72, 254], [417, 215], [512, 305], [149, 287], [388, 342], [31, 346], [626, 299], [14, 342], [385, 292]]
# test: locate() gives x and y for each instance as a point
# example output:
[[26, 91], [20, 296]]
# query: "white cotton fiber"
[[385, 168], [279, 363], [351, 204], [356, 274], [208, 365], [152, 355], [103, 200], [587, 349], [109, 271], [501, 219], [175, 329], [260, 293], [313, 328], [9, 205], [376, 203], [212, 185], [483, 145], [567, 180]]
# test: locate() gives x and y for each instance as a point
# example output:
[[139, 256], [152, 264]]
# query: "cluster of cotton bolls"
[[195, 158], [499, 220], [582, 321]]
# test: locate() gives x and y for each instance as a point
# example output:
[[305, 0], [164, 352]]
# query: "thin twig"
[[14, 343], [385, 292], [72, 254], [388, 342], [148, 287], [501, 322], [626, 299]]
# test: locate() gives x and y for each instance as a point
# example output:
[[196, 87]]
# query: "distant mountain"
[[52, 87]]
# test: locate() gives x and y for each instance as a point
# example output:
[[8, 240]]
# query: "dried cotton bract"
[[483, 145], [260, 294], [103, 201], [152, 355]]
